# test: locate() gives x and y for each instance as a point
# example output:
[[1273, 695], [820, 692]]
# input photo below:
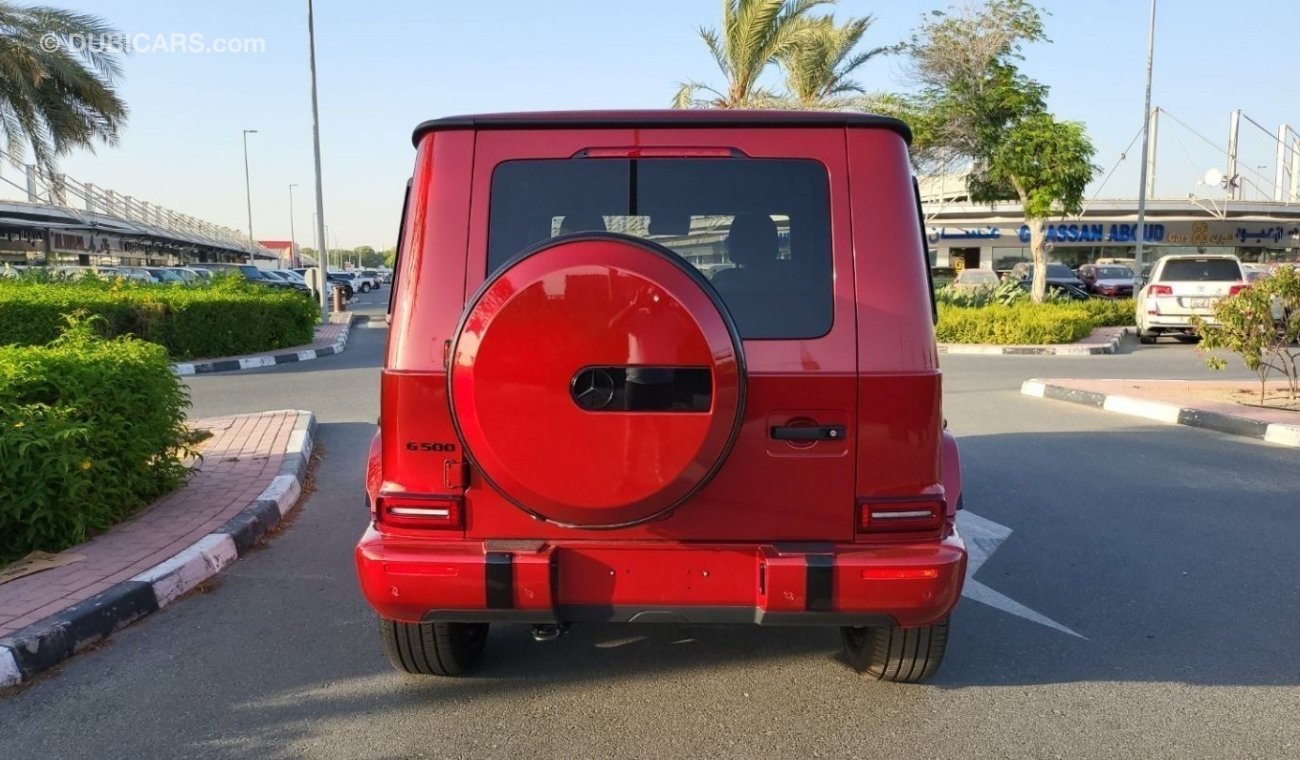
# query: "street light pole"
[[293, 242], [248, 195], [320, 192], [1146, 126]]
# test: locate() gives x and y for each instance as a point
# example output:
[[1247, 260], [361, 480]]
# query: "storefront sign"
[[1183, 232]]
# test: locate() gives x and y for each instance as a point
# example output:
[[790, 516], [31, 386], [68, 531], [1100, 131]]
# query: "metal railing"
[[90, 204]]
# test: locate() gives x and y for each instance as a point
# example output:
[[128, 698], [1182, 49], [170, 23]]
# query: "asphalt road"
[[1169, 550]]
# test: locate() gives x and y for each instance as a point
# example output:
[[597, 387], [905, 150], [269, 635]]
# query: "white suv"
[[1184, 286]]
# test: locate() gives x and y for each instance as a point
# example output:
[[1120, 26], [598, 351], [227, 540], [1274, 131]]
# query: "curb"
[[186, 369], [46, 643], [1083, 348], [1278, 433]]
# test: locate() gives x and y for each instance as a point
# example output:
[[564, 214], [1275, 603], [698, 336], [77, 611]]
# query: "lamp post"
[[1146, 126], [315, 129], [248, 195], [293, 242]]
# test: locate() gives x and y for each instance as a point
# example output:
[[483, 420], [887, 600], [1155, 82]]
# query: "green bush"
[[227, 317], [1111, 312], [90, 431], [1023, 322]]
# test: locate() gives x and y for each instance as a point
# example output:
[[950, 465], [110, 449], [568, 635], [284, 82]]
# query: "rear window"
[[1201, 270], [1059, 270], [758, 229]]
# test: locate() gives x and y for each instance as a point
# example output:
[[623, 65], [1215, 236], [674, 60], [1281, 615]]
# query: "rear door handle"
[[819, 433]]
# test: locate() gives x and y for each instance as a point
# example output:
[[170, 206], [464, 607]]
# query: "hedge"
[[225, 318], [91, 430], [1029, 323]]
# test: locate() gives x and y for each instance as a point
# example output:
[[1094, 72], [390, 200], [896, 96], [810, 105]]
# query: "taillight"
[[1160, 290], [915, 515], [412, 511], [1235, 289]]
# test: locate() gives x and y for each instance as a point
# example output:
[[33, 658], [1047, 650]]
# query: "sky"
[[386, 65]]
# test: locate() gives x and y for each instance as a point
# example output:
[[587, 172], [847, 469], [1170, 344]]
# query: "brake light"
[[1160, 290], [901, 515], [900, 573], [1235, 289], [413, 511], [660, 152]]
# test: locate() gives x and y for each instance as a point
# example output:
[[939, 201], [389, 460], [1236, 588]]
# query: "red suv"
[[662, 367]]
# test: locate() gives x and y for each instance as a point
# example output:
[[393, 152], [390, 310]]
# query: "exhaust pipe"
[[549, 631]]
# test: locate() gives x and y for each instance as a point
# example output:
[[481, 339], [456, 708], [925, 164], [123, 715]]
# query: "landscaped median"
[[1022, 327], [1226, 407], [252, 476], [226, 318]]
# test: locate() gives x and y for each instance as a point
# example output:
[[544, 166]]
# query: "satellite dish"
[[1214, 177]]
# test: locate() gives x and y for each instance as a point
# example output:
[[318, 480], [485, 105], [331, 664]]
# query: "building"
[[286, 253], [966, 235]]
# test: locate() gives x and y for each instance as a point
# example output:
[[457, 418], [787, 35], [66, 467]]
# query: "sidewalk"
[[251, 475], [1174, 402], [331, 338], [1103, 340]]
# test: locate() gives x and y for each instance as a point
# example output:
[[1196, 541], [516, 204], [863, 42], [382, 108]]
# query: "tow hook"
[[549, 631]]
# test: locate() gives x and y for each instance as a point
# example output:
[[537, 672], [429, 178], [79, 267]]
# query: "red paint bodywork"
[[744, 540]]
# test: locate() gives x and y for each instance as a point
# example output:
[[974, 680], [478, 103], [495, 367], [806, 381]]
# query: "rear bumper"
[[766, 584]]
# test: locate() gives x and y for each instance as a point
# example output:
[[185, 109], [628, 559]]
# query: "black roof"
[[692, 118]]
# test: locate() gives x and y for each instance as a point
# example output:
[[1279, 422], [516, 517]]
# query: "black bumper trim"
[[819, 584], [500, 580]]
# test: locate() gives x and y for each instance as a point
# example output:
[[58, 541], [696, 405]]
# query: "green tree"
[[57, 83], [390, 257], [1262, 325], [976, 106], [819, 69], [755, 33]]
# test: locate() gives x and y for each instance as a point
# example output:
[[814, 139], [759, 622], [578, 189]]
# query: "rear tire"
[[365, 287], [433, 649], [890, 653], [1147, 336]]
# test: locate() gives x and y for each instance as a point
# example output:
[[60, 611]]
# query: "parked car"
[[290, 275], [255, 275], [1057, 274], [1109, 280], [375, 277], [360, 282], [971, 279], [1059, 290], [186, 275], [339, 281], [165, 275], [75, 272], [1183, 286], [597, 434]]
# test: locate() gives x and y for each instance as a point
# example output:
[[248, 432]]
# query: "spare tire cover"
[[557, 311]]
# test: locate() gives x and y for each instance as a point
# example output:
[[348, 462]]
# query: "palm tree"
[[818, 70], [754, 34], [56, 83]]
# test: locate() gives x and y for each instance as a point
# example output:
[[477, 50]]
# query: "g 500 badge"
[[430, 446]]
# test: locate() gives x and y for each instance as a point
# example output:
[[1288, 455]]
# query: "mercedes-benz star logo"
[[593, 389]]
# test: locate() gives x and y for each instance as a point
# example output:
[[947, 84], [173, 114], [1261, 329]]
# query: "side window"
[[397, 256], [925, 251]]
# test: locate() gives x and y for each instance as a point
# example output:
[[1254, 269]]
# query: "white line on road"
[[983, 536]]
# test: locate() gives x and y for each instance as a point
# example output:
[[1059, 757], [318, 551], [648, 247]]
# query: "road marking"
[[983, 536]]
